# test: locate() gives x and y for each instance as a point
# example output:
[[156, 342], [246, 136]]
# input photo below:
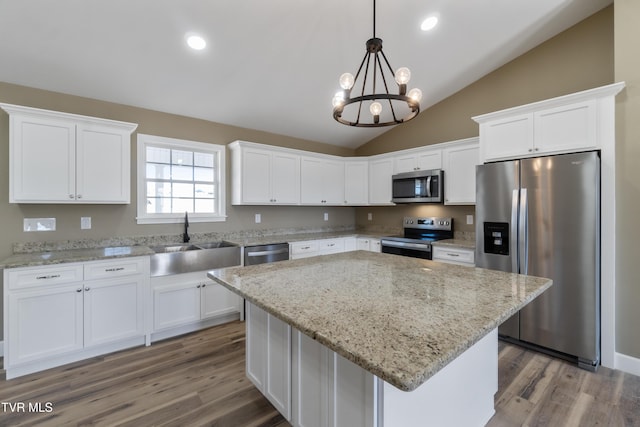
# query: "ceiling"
[[268, 65]]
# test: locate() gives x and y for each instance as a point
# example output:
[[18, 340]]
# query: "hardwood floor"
[[199, 380]]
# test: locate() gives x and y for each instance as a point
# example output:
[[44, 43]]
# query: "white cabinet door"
[[566, 128], [322, 181], [278, 382], [216, 300], [352, 395], [176, 304], [330, 246], [103, 164], [285, 178], [368, 244], [310, 382], [356, 182], [44, 323], [350, 244], [375, 246], [256, 359], [255, 177], [43, 163], [268, 359], [507, 138], [380, 173], [420, 160], [459, 164], [113, 310]]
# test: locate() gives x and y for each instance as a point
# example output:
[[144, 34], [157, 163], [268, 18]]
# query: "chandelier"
[[395, 108]]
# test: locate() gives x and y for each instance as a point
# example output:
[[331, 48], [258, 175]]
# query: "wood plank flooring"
[[199, 380]]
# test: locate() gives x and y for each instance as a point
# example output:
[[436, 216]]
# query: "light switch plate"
[[258, 218], [326, 216], [39, 224], [469, 219]]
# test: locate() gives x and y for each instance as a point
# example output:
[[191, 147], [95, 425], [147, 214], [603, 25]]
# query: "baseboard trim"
[[627, 364]]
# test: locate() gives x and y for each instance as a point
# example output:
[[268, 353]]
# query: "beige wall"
[[627, 68], [119, 220]]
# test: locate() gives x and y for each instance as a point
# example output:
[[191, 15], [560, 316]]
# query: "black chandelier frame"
[[374, 50]]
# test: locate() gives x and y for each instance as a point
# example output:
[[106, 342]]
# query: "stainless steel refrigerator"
[[541, 216]]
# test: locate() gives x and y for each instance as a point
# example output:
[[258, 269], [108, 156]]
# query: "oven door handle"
[[416, 246]]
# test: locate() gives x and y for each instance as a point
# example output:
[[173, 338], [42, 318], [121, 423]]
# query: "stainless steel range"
[[418, 235]]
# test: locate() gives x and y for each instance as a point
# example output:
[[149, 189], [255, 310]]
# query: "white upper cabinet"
[[564, 124], [67, 158], [459, 161], [380, 173], [356, 182], [418, 160], [322, 181], [263, 176]]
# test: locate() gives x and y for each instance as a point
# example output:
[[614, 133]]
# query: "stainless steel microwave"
[[418, 187]]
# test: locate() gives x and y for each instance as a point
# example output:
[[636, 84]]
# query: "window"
[[177, 176]]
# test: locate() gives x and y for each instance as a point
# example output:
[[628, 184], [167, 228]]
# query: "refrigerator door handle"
[[523, 230], [513, 239]]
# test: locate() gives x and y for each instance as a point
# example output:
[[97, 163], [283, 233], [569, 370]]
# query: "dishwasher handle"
[[265, 253]]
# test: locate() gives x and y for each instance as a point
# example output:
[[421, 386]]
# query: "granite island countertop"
[[400, 318]]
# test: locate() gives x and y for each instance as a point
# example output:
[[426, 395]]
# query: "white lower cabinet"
[[187, 302], [368, 244], [460, 256], [329, 390], [269, 357], [308, 384], [68, 312]]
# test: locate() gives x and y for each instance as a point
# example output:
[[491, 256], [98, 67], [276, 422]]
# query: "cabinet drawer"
[[299, 248], [463, 256], [43, 276], [330, 246], [113, 268]]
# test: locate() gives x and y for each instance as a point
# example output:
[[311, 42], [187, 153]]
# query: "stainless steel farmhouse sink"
[[186, 258]]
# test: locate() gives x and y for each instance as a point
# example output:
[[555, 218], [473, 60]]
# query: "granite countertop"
[[31, 259], [456, 243], [400, 318]]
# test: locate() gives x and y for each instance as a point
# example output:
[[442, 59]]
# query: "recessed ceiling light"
[[429, 23], [196, 42]]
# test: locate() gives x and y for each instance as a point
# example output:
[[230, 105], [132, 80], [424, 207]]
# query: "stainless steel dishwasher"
[[263, 254]]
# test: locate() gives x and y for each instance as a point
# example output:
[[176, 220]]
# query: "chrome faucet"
[[185, 236]]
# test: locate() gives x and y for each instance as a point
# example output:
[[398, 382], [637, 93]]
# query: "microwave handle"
[[429, 186]]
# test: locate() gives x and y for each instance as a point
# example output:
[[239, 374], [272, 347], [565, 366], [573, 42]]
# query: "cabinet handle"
[[198, 286], [113, 269], [87, 289], [79, 196], [71, 196], [450, 254], [204, 284], [48, 276], [530, 150], [79, 290], [332, 244], [305, 247]]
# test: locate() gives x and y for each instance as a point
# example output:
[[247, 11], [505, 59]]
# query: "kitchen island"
[[397, 340]]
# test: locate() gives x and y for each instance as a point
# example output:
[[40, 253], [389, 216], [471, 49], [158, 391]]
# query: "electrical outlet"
[[39, 224], [369, 216], [326, 216], [258, 218], [469, 219], [85, 223]]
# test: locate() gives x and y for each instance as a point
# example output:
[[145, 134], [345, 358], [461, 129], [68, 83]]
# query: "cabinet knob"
[[79, 290], [79, 196], [87, 289], [198, 286], [530, 150], [71, 196], [204, 284]]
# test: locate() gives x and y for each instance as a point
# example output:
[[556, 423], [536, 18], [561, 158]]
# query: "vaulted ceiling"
[[268, 65]]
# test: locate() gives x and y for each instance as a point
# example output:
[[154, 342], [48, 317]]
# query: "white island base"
[[311, 385]]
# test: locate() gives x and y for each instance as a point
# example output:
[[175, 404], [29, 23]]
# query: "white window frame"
[[180, 144]]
